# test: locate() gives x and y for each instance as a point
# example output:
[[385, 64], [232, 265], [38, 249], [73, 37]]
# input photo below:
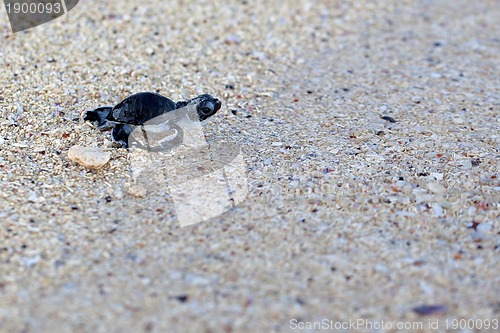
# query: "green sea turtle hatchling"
[[162, 115]]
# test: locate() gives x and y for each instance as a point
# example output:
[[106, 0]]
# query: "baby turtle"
[[161, 114]]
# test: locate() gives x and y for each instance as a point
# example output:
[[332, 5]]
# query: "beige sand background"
[[349, 216]]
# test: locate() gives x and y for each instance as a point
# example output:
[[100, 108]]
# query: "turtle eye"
[[206, 109]]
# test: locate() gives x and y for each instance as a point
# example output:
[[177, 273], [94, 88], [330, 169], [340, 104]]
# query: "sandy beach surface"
[[370, 135]]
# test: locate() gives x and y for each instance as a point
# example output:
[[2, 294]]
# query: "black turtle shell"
[[153, 110], [141, 107]]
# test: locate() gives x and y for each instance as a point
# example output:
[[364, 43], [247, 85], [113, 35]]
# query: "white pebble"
[[438, 176], [427, 288], [120, 42], [33, 197], [137, 191], [445, 204], [466, 164], [118, 194], [39, 149], [406, 189], [233, 39], [438, 210], [89, 157], [405, 200], [30, 261], [484, 227], [436, 188], [424, 198]]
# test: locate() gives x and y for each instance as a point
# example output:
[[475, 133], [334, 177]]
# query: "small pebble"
[[445, 204], [406, 189], [466, 164], [416, 99], [436, 188], [484, 227], [438, 176], [425, 310], [89, 157], [473, 225], [438, 210], [40, 150], [471, 211], [32, 197], [232, 39], [182, 298], [389, 119], [137, 191]]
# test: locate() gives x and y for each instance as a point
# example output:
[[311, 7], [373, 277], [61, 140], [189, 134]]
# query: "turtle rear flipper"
[[99, 115]]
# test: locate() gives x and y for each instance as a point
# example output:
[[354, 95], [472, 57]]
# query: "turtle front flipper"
[[121, 133], [99, 115], [156, 137]]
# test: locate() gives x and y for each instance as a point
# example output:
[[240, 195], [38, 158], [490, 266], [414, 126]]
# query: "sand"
[[349, 216]]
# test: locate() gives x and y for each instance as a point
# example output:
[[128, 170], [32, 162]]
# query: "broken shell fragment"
[[89, 157]]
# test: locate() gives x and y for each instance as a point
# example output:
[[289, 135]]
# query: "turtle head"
[[206, 106]]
